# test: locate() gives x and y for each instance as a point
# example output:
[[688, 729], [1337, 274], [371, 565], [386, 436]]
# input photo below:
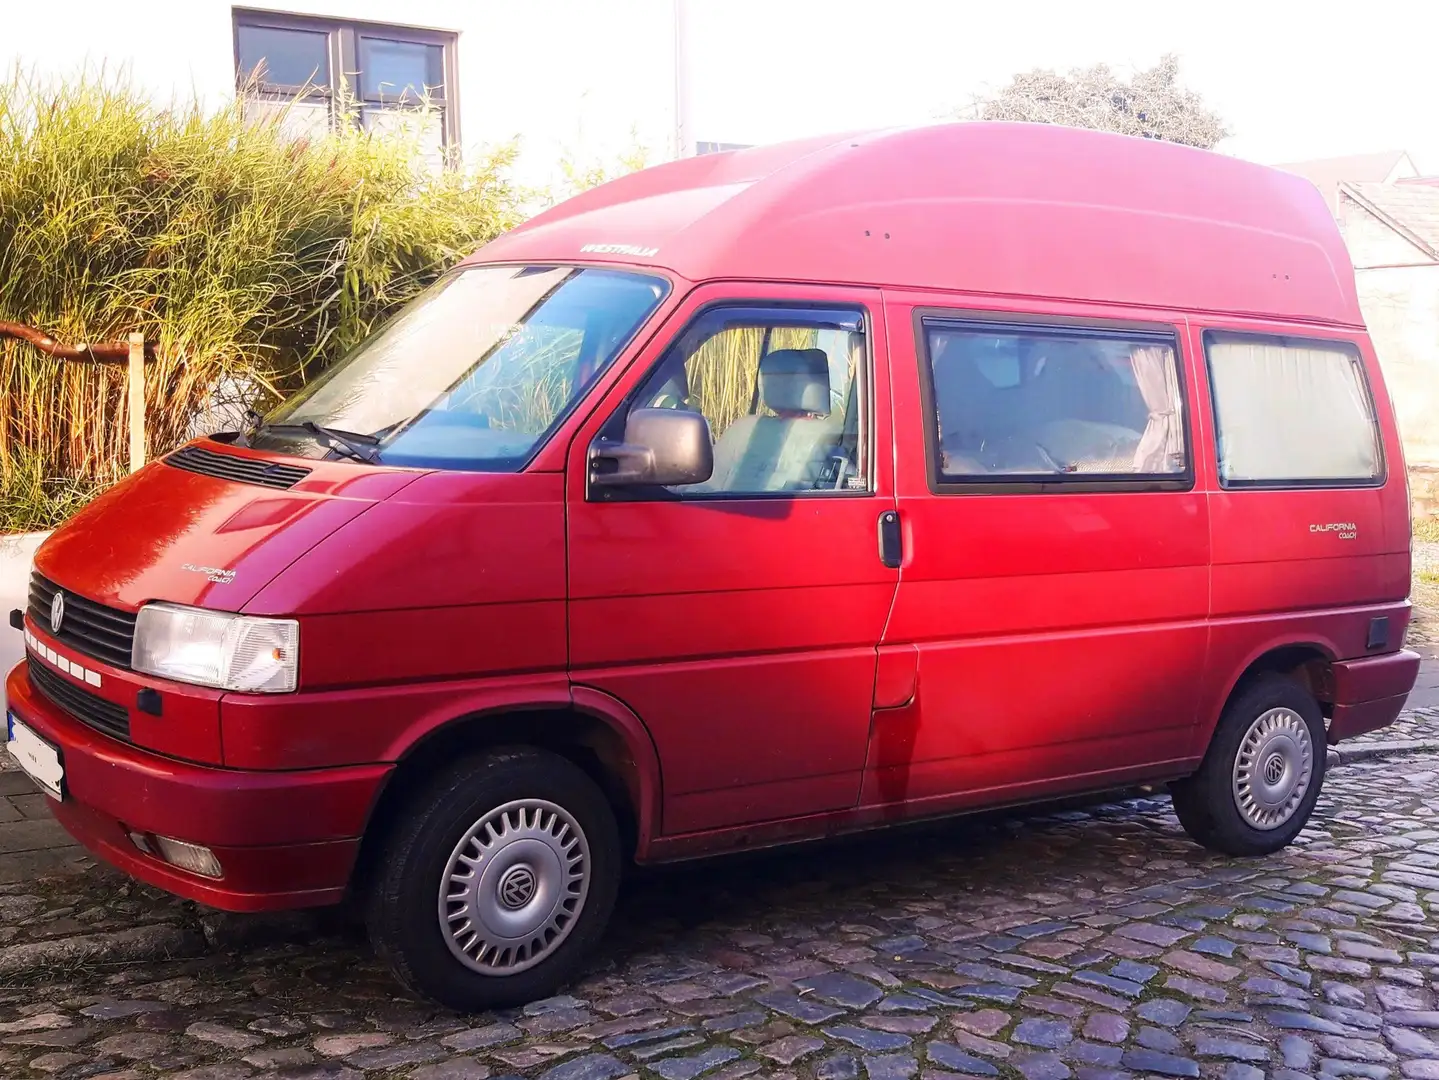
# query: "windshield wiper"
[[350, 443]]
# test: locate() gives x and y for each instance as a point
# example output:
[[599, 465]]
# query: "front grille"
[[242, 470], [90, 709], [89, 628]]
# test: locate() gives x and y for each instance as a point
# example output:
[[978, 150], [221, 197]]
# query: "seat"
[[1087, 446], [785, 451]]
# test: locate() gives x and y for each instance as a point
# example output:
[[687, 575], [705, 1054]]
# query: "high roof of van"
[[984, 208]]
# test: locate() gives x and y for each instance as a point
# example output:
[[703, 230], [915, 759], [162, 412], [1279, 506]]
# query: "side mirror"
[[662, 447]]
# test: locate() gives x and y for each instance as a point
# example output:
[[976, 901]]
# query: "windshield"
[[474, 374]]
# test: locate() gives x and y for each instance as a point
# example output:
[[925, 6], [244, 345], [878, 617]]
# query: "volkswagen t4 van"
[[748, 499]]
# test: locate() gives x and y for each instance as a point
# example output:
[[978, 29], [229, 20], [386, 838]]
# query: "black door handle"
[[891, 545]]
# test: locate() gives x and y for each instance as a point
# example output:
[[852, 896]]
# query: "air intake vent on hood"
[[242, 470]]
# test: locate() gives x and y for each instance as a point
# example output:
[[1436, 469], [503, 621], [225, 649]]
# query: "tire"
[[1238, 811], [545, 881]]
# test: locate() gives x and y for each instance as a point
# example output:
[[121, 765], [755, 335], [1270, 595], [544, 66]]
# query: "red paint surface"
[[271, 878], [742, 631], [133, 543], [201, 804], [988, 209], [768, 679]]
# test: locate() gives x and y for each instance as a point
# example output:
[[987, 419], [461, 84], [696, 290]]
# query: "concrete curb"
[[1374, 751], [217, 931], [161, 941], [1370, 751], [16, 551]]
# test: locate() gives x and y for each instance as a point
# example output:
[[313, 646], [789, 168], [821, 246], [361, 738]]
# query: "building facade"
[[567, 81], [1389, 215]]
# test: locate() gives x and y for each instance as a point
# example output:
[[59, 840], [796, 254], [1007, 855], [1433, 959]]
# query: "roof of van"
[[986, 208]]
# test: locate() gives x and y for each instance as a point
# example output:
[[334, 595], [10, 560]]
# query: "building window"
[[1292, 413], [317, 73]]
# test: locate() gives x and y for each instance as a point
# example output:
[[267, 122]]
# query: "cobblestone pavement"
[[31, 841], [1094, 944], [1423, 638], [1413, 725]]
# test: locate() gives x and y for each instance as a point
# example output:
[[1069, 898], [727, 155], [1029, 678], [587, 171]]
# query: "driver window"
[[782, 392]]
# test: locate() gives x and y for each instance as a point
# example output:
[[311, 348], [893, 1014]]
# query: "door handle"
[[891, 543]]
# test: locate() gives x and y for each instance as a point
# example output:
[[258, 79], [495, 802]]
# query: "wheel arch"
[[1307, 661], [593, 730]]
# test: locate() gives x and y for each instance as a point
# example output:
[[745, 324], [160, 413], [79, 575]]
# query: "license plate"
[[39, 759]]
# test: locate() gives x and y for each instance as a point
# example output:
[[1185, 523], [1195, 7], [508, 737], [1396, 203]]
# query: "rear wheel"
[[497, 882], [1261, 776]]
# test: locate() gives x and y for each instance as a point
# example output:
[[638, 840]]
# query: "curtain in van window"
[[1161, 447], [1291, 411]]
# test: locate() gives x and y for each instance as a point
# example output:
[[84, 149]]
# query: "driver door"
[[739, 617]]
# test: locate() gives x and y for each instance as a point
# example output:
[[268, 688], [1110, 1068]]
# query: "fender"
[[1222, 689], [624, 722], [490, 698], [495, 697]]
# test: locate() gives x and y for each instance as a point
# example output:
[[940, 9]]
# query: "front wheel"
[[1261, 777], [497, 881]]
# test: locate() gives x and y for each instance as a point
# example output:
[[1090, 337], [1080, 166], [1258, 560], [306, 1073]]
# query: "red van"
[[749, 499]]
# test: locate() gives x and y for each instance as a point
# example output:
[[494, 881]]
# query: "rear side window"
[[1017, 404], [1291, 412]]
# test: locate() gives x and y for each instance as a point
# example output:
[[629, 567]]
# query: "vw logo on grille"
[[517, 887], [57, 612]]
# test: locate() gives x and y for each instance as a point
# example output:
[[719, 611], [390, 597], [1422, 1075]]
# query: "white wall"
[[1401, 309], [1398, 288], [556, 74], [15, 555]]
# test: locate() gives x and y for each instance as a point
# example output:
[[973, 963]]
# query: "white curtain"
[[1287, 412], [1161, 447]]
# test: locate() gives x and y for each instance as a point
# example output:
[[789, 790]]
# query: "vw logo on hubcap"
[[57, 612], [1274, 769], [517, 887]]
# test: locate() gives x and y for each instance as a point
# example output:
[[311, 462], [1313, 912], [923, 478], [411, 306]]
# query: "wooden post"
[[137, 401]]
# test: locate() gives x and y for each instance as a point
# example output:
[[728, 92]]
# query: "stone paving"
[[31, 841], [1092, 944], [1413, 725]]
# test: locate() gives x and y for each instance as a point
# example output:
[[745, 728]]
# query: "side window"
[[783, 392], [1291, 412], [1033, 403]]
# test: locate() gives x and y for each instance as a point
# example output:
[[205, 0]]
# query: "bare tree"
[[1151, 104]]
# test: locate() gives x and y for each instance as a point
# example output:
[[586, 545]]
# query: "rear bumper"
[[283, 839], [1370, 693]]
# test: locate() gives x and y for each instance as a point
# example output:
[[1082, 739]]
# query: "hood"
[[167, 533]]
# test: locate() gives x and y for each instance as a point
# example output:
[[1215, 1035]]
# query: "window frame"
[[1057, 326], [865, 401], [343, 50], [1337, 344]]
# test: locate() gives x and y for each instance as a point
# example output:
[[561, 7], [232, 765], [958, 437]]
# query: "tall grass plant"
[[246, 255]]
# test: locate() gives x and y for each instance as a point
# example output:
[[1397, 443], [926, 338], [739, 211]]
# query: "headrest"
[[795, 380]]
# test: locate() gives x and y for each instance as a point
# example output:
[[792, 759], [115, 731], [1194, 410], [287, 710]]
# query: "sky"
[[1293, 80]]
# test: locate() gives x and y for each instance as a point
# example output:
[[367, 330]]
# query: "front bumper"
[[1370, 693], [283, 839]]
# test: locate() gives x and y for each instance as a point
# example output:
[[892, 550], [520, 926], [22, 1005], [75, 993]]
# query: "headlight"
[[215, 648]]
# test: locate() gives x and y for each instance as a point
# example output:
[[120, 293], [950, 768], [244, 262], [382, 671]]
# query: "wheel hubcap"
[[514, 887], [1273, 769]]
